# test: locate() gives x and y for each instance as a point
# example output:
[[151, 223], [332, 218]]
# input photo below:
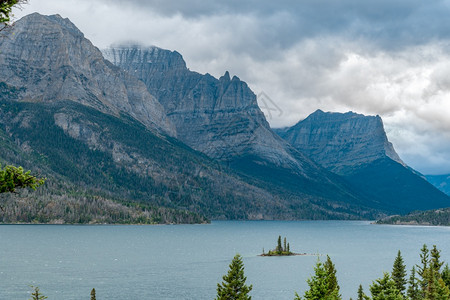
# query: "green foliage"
[[435, 262], [93, 297], [5, 10], [435, 217], [233, 286], [361, 295], [323, 284], [399, 273], [446, 275], [36, 295], [385, 289], [12, 178], [331, 272], [279, 249], [413, 292]]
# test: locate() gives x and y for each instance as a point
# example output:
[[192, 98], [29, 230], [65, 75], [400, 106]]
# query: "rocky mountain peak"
[[47, 59], [219, 117], [340, 140], [225, 78], [159, 59]]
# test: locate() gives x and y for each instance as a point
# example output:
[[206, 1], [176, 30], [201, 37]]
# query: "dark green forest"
[[86, 154], [435, 217]]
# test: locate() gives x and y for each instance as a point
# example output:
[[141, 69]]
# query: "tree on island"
[[233, 286], [280, 250]]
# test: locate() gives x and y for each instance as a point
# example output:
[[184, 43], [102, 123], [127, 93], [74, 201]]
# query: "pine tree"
[[331, 273], [385, 289], [423, 269], [233, 286], [361, 295], [323, 284], [36, 295], [436, 259], [446, 275], [279, 248], [284, 248], [414, 293], [399, 273], [93, 297]]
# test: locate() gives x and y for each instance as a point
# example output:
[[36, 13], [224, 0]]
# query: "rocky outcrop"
[[340, 142], [219, 117], [356, 147], [47, 59]]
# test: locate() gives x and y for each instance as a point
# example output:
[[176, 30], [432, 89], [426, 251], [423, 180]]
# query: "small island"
[[280, 250]]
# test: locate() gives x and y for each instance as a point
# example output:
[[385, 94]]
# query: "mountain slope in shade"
[[442, 182], [221, 118], [356, 147], [47, 59]]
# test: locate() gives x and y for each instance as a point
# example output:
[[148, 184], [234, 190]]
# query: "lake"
[[187, 261]]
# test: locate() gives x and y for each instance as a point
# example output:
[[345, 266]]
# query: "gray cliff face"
[[219, 117], [341, 141], [47, 59], [356, 147]]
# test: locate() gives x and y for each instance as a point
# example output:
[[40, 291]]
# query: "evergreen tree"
[[399, 273], [435, 262], [279, 248], [288, 248], [446, 275], [331, 273], [361, 295], [385, 289], [93, 297], [233, 286], [285, 247], [36, 295], [424, 259], [414, 293], [323, 284], [423, 269]]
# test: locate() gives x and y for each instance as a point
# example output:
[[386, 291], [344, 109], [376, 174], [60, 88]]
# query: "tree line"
[[428, 280]]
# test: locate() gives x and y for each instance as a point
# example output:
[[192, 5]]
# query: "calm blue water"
[[187, 261]]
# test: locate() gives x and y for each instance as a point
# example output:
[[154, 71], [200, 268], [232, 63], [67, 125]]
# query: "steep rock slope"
[[356, 147], [46, 59], [221, 118]]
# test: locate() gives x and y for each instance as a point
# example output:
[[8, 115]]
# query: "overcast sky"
[[390, 58]]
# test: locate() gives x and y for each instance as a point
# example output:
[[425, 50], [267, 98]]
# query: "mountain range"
[[355, 147], [133, 128]]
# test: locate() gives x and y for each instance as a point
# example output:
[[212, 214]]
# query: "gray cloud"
[[373, 57]]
